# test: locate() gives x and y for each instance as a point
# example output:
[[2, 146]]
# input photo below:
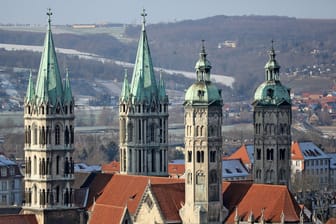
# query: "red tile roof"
[[242, 154], [273, 199], [124, 190], [106, 214], [296, 151], [18, 219], [170, 197], [112, 167], [176, 169]]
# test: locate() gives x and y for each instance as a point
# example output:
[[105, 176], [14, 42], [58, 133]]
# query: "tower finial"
[[272, 51], [49, 14], [143, 14]]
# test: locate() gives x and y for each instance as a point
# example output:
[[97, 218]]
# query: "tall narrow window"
[[258, 154], [282, 154], [66, 136], [130, 132], [35, 135], [189, 156], [57, 165], [57, 135]]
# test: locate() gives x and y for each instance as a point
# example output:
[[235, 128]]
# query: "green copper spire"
[[30, 95], [125, 89], [143, 69], [67, 89], [49, 84], [203, 91], [271, 91]]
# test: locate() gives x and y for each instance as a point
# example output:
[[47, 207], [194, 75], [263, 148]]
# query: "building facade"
[[203, 142], [10, 183], [143, 116], [49, 141], [272, 119], [311, 167]]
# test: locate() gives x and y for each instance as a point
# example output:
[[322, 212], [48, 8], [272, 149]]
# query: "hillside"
[[237, 46]]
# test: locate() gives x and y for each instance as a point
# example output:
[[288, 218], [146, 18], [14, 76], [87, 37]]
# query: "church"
[[142, 192]]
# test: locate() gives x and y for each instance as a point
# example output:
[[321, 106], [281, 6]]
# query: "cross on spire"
[[49, 14], [143, 14]]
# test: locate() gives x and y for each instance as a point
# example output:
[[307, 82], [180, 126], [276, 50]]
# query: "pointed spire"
[[262, 217], [203, 66], [236, 217], [162, 87], [144, 67], [30, 95], [125, 88], [250, 218], [67, 89], [49, 83], [282, 217]]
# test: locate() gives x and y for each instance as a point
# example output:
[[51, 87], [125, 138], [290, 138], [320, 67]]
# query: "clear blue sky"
[[128, 11]]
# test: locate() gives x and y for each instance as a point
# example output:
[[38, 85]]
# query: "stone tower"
[[143, 114], [203, 143], [49, 137], [272, 119]]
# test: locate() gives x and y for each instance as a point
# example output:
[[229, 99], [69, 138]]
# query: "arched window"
[[35, 135], [35, 165], [152, 133], [57, 164], [129, 132], [212, 156], [43, 136], [269, 154], [72, 134], [282, 155], [57, 135], [202, 131], [29, 135], [258, 154], [66, 136], [198, 156]]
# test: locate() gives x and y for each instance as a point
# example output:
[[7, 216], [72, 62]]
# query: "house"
[[310, 165], [10, 183]]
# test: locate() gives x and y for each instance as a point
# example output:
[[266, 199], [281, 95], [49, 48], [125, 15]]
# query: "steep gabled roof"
[[170, 197], [271, 200], [49, 84], [126, 190]]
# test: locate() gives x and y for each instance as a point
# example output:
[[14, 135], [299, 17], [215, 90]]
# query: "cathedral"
[[142, 192]]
